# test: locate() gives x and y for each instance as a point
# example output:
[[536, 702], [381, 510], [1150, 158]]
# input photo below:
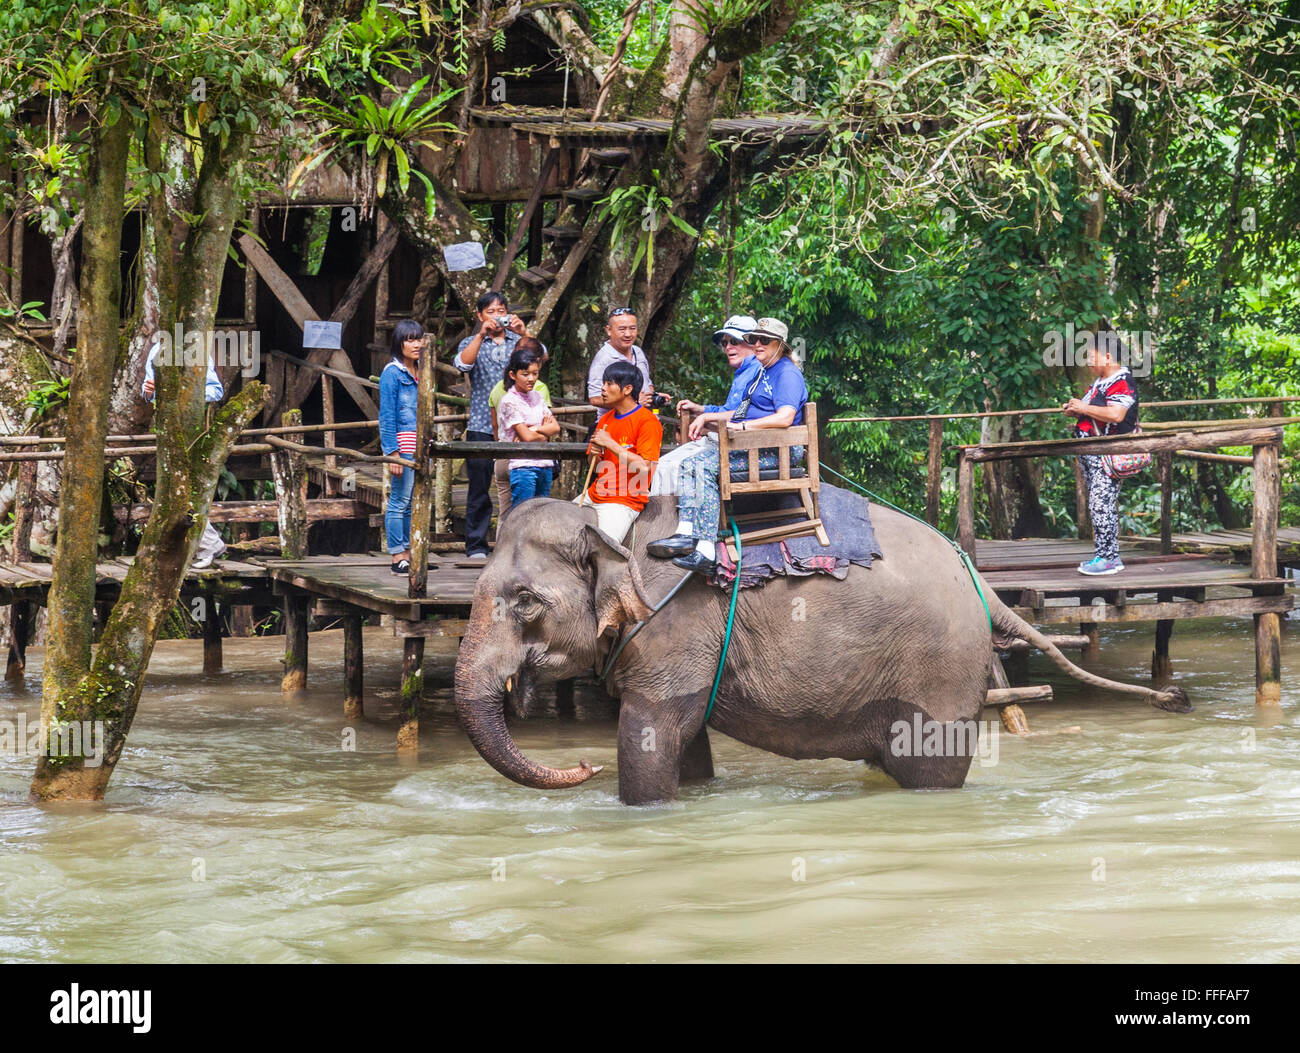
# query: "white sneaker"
[[477, 555], [202, 563]]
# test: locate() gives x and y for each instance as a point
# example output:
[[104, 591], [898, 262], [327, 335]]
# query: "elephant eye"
[[528, 606]]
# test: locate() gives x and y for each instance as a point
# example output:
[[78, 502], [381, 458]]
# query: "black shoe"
[[698, 562], [402, 566], [667, 547]]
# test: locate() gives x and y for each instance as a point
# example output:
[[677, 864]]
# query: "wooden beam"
[[1150, 612], [1007, 696], [302, 312], [517, 239], [933, 472], [1263, 564], [568, 270], [965, 503], [367, 273], [1109, 444]]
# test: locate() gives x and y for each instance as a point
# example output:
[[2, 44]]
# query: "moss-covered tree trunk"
[[72, 592], [191, 453]]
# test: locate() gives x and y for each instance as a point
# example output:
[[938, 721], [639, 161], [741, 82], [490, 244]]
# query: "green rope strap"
[[731, 615], [966, 560]]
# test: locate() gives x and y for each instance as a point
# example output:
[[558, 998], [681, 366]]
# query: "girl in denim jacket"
[[398, 396]]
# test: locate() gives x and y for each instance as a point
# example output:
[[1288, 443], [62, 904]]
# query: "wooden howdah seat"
[[802, 479]]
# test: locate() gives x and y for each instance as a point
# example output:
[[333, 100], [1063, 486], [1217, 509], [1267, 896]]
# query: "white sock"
[[705, 548], [683, 527]]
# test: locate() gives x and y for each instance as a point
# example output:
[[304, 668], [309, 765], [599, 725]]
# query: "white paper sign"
[[466, 256], [322, 334]]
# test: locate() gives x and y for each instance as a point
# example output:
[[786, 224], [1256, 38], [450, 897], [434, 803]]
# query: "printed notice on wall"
[[464, 256], [322, 334]]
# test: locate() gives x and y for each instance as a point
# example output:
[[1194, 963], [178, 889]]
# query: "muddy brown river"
[[241, 828]]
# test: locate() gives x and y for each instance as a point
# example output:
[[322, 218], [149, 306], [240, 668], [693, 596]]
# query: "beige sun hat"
[[771, 327]]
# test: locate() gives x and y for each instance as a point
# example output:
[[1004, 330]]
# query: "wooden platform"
[[1039, 580]]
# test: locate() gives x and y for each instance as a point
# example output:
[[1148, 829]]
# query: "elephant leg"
[[651, 745], [697, 758]]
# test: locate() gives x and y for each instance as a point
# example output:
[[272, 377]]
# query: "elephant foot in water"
[[653, 753]]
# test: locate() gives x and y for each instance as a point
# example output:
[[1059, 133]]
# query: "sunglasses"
[[728, 341], [766, 341], [621, 310]]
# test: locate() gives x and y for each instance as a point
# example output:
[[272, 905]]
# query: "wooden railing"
[[1264, 440]]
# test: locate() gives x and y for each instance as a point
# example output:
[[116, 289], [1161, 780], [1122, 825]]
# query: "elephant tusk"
[[510, 680]]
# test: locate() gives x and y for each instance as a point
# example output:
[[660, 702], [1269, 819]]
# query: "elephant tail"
[[1007, 622]]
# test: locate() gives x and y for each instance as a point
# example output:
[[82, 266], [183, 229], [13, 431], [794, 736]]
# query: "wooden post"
[[289, 470], [1165, 473], [327, 412], [296, 613], [1083, 520], [564, 699], [966, 503], [1093, 647], [422, 494], [408, 731], [353, 707], [211, 635], [933, 472], [1013, 717], [22, 613], [1162, 669], [1263, 564]]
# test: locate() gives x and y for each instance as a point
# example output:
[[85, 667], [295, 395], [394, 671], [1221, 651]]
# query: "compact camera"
[[658, 401]]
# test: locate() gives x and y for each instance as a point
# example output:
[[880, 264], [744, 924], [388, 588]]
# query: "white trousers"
[[613, 519], [667, 473], [210, 544]]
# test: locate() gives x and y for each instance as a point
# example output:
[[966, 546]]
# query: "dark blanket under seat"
[[846, 517]]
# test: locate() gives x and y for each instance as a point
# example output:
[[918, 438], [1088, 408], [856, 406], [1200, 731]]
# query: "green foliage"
[[44, 395], [641, 211]]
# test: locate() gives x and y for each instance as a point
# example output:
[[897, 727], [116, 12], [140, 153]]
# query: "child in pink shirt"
[[524, 417]]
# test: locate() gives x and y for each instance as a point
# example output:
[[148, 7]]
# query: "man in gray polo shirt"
[[621, 330]]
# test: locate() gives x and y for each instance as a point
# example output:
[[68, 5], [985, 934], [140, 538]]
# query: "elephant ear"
[[617, 590]]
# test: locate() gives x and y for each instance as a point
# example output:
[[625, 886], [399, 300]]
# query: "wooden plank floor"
[[368, 582]]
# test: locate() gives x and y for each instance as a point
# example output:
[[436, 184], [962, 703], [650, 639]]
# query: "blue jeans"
[[397, 514], [529, 482]]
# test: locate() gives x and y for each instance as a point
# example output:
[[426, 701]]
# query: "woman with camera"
[[484, 356]]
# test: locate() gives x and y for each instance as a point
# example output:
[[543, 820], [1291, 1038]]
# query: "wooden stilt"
[[564, 699], [1263, 565], [1165, 473], [294, 682], [1162, 670], [1268, 659], [211, 636], [22, 614], [408, 731], [1093, 647], [352, 667], [1013, 717]]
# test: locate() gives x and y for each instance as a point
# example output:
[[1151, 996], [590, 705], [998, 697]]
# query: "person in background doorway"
[[211, 547], [398, 402]]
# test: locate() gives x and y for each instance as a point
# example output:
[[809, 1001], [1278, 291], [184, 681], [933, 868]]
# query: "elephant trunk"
[[480, 704]]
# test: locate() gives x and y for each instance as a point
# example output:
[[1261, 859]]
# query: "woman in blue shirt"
[[775, 399], [398, 398]]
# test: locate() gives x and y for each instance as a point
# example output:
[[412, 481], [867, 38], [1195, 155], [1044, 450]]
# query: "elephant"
[[817, 667]]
